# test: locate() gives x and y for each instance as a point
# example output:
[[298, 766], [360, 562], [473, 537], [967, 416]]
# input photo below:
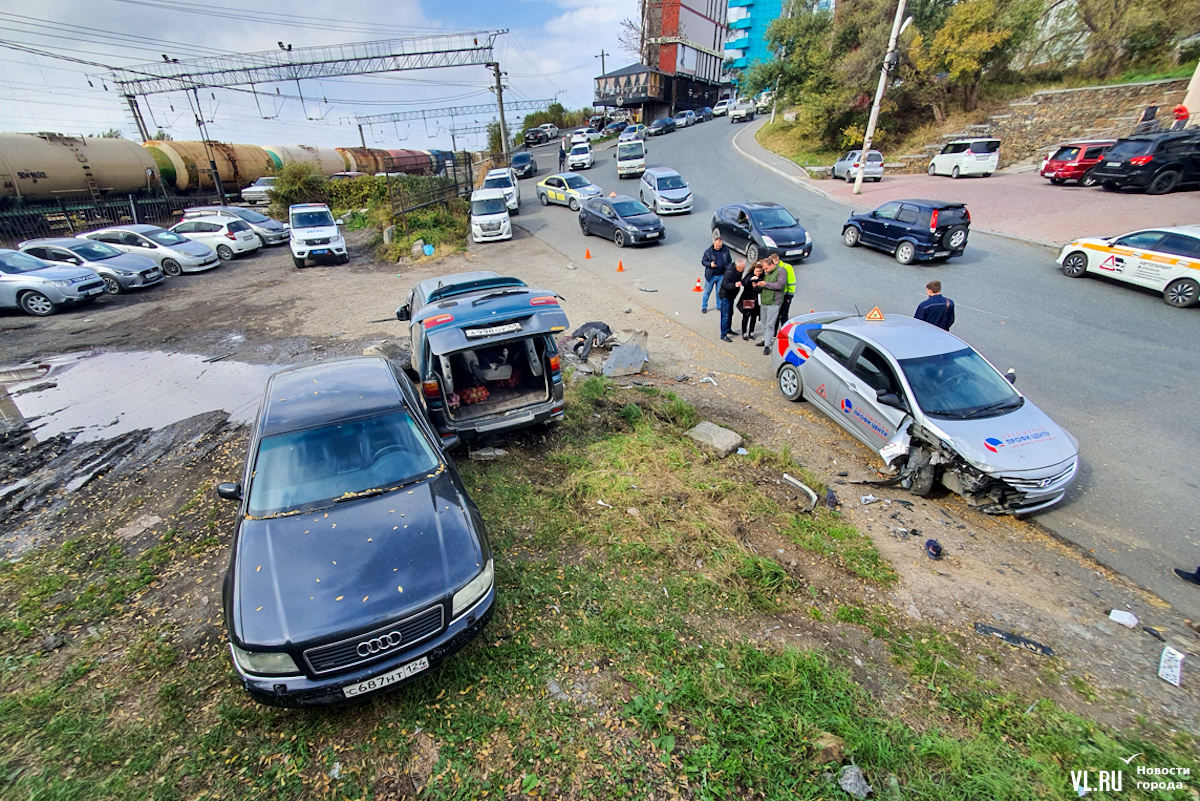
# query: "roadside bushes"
[[445, 226]]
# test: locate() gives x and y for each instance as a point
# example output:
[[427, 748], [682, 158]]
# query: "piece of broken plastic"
[[1126, 619], [868, 499], [742, 452]]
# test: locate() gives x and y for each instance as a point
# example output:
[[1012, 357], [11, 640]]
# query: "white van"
[[967, 157], [489, 216], [631, 158]]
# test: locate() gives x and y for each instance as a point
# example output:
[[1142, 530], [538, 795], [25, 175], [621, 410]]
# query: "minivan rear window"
[[874, 157], [988, 146], [1128, 148]]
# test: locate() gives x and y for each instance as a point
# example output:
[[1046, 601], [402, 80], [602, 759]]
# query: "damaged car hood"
[[1024, 439], [307, 577]]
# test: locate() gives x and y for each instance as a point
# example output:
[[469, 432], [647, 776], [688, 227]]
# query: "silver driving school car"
[[932, 408]]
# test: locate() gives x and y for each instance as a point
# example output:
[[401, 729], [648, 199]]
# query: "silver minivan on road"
[[665, 191]]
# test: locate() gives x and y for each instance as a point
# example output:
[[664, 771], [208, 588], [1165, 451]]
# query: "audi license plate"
[[321, 252], [493, 331], [387, 679]]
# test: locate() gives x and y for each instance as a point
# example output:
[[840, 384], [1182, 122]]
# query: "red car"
[[1073, 160]]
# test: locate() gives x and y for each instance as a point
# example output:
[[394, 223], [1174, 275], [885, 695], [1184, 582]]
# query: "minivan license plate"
[[379, 682], [493, 331]]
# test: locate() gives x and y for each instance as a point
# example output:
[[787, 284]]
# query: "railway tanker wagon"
[[184, 165], [36, 168]]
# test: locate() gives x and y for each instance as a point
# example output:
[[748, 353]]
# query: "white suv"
[[315, 234], [505, 179]]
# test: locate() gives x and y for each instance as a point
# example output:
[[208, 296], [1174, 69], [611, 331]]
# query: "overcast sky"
[[550, 50]]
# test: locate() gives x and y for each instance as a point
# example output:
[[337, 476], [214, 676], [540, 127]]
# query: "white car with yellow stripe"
[[1166, 260], [568, 189]]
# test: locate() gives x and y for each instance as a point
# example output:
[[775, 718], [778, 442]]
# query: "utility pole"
[[603, 71], [361, 137], [500, 99], [888, 65], [208, 149]]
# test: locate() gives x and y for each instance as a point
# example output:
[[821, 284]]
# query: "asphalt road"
[[1110, 363]]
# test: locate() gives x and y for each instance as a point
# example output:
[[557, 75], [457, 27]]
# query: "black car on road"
[[912, 230], [524, 165], [536, 136], [762, 229], [622, 219], [659, 127], [1156, 162], [358, 561]]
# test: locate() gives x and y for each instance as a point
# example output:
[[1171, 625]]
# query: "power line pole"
[[208, 150], [500, 100], [888, 64], [603, 71]]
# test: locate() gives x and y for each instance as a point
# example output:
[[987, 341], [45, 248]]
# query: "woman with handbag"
[[748, 301]]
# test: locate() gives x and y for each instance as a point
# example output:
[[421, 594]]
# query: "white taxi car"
[[1166, 260]]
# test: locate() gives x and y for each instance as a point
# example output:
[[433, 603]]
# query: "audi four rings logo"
[[377, 644]]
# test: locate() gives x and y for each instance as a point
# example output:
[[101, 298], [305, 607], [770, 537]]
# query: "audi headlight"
[[807, 238], [468, 595], [267, 663], [768, 241]]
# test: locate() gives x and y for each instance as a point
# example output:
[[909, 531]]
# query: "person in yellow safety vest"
[[789, 292]]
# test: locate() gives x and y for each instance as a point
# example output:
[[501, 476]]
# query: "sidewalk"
[[1022, 205]]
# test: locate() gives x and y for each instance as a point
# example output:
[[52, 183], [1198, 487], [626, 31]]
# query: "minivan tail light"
[[933, 221], [430, 388], [554, 363], [438, 319], [1138, 161]]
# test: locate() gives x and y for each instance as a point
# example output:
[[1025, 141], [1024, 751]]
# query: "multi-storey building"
[[748, 21]]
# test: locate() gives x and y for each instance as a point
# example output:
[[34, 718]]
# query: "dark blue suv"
[[912, 230]]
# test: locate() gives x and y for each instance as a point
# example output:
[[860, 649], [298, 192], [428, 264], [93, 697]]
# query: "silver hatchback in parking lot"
[[39, 287], [847, 166], [268, 231], [173, 253], [930, 406], [121, 272]]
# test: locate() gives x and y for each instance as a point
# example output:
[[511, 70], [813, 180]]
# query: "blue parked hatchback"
[[912, 230]]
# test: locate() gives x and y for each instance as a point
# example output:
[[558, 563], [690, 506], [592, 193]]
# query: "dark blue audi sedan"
[[358, 562]]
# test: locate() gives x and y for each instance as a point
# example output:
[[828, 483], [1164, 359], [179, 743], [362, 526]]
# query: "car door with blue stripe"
[[871, 421]]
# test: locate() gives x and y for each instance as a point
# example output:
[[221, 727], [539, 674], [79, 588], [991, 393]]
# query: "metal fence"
[[408, 193], [68, 218]]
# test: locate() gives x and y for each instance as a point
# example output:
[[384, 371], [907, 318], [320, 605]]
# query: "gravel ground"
[[998, 571]]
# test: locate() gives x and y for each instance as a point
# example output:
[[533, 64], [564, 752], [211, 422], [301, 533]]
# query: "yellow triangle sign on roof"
[[875, 315]]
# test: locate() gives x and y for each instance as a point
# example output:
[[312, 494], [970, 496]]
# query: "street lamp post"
[[888, 64]]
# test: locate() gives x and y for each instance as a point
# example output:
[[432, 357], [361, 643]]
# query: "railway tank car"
[[39, 167], [326, 160], [369, 160], [184, 165], [412, 162]]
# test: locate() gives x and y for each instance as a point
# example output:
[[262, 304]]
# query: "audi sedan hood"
[[1025, 439], [315, 576]]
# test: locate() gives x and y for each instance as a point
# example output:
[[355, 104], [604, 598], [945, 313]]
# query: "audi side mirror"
[[230, 492]]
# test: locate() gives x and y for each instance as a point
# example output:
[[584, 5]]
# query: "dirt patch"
[[999, 571]]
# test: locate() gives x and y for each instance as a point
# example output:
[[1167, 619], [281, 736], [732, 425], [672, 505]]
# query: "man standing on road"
[[716, 261], [789, 292], [935, 309], [562, 156], [731, 286], [769, 301]]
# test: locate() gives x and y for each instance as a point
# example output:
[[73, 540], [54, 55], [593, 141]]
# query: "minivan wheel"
[[931, 170], [1180, 293], [850, 236], [171, 267], [37, 304], [1163, 183], [1075, 265], [955, 238], [906, 253], [790, 383], [954, 173]]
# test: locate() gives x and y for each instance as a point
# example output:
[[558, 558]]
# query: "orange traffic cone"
[[620, 267], [587, 253], [699, 287]]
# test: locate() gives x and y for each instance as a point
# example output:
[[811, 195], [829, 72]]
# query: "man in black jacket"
[[935, 309], [716, 261], [731, 287]]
